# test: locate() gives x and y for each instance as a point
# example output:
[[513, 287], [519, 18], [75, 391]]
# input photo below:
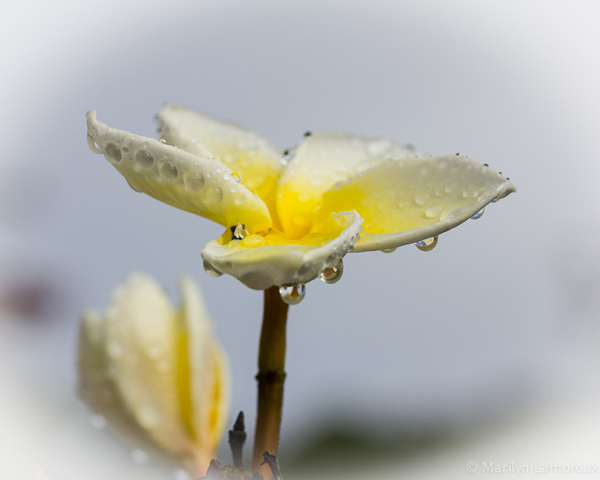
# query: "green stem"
[[270, 377]]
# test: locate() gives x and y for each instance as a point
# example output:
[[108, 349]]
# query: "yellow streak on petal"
[[183, 377], [296, 210], [408, 194]]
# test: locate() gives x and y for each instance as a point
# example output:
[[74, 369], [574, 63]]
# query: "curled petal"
[[200, 185], [322, 160], [258, 264], [244, 151], [407, 200], [97, 386]]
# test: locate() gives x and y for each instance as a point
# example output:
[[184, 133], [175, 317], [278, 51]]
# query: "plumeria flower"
[[292, 216], [155, 373]]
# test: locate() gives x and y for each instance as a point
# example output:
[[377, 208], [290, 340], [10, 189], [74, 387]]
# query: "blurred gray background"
[[483, 350]]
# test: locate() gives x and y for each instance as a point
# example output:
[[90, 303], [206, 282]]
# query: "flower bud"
[[156, 374]]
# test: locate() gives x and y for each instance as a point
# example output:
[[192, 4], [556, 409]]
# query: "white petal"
[[200, 185], [141, 345], [209, 370], [96, 384], [262, 267], [244, 151], [322, 160], [404, 201], [98, 387]]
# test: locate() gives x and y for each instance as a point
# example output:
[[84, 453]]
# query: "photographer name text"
[[515, 468]]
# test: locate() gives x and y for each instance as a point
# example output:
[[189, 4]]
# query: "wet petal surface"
[[322, 160], [403, 201], [260, 262], [244, 151], [200, 185]]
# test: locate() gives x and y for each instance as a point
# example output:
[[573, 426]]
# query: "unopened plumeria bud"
[[156, 374]]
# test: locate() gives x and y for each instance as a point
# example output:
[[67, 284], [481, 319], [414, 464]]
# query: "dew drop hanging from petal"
[[332, 274], [94, 147], [210, 270], [427, 244], [478, 214], [292, 294], [388, 250]]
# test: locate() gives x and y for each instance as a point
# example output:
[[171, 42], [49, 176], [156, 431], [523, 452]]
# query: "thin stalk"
[[270, 377]]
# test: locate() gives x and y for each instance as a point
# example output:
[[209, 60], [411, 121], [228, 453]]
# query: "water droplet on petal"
[[236, 177], [210, 270], [388, 250], [292, 294], [287, 156], [144, 159], [181, 474], [139, 456], [112, 153], [478, 214], [433, 212], [193, 181], [214, 195], [94, 147], [239, 198], [153, 351], [98, 421], [332, 274], [163, 141], [148, 416], [239, 232], [421, 199], [427, 244], [378, 147], [168, 171], [114, 349], [133, 188]]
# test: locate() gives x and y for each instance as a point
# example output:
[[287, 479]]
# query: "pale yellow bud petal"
[[149, 369]]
